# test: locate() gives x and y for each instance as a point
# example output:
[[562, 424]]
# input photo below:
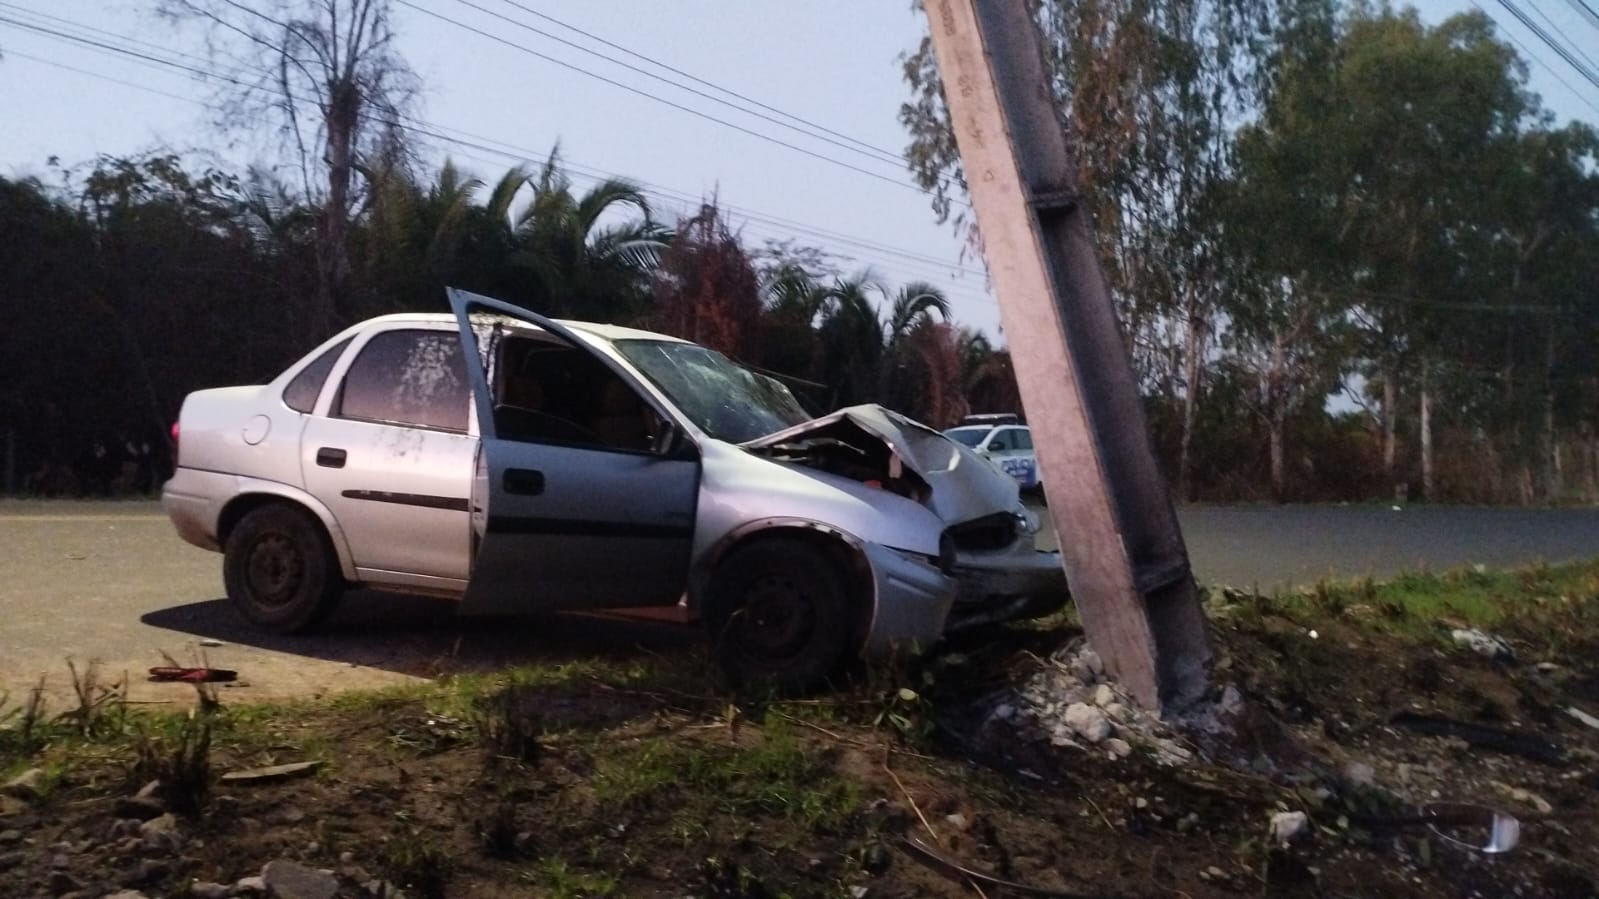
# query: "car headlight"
[[1026, 522]]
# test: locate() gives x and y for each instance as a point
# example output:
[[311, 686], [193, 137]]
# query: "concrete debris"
[[292, 880], [1483, 644], [1582, 716], [1067, 703], [1288, 826], [1088, 722], [1359, 775]]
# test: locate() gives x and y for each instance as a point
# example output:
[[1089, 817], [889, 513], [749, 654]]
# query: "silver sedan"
[[513, 463]]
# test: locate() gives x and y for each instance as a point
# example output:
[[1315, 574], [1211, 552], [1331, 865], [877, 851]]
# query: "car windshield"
[[967, 436], [725, 400]]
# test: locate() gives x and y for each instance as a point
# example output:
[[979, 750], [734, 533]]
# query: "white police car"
[[1002, 439]]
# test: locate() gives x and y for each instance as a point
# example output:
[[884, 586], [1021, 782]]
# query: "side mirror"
[[995, 446], [670, 442]]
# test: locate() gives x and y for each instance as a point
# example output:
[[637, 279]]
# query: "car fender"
[[861, 575], [253, 490]]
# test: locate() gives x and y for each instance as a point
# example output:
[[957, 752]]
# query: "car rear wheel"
[[778, 611], [280, 569]]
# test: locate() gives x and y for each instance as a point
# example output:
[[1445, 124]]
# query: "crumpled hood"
[[960, 484]]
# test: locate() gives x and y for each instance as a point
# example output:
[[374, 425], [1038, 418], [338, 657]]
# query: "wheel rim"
[[777, 619], [275, 570]]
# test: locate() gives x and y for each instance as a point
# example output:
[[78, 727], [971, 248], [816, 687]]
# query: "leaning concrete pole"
[[1124, 553]]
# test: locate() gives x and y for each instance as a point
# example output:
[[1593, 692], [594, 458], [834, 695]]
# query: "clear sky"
[[833, 63]]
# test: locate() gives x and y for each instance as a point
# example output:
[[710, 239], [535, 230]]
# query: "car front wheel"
[[280, 570], [778, 611]]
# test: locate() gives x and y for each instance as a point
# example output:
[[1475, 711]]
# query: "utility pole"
[[1123, 551]]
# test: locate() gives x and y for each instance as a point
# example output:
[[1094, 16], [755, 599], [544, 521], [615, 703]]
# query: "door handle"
[[331, 457], [523, 481]]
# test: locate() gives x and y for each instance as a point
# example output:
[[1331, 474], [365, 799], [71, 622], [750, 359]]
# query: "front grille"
[[990, 532]]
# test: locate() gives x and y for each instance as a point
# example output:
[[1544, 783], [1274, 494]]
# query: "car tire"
[[280, 569], [778, 614]]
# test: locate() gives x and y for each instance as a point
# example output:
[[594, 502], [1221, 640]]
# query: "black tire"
[[280, 569], [778, 613]]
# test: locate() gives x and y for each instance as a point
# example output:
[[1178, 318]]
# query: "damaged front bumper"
[[918, 602], [1013, 585]]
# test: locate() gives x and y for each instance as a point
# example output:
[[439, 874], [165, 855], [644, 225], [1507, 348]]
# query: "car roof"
[[598, 329]]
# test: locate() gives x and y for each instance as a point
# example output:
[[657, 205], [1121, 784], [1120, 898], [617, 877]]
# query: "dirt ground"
[[632, 775]]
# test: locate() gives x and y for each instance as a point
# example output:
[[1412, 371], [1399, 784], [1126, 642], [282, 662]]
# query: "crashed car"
[[518, 464]]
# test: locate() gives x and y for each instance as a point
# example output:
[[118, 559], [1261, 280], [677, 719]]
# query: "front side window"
[[415, 378], [306, 386], [1002, 442]]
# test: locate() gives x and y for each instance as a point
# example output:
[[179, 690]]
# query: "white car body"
[[1010, 446], [932, 535]]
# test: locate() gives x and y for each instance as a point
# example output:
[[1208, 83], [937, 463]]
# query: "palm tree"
[[850, 338], [580, 266]]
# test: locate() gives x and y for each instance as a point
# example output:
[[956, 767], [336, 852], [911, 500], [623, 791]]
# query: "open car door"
[[565, 515]]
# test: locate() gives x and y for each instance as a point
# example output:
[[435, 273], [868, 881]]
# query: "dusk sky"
[[831, 62]]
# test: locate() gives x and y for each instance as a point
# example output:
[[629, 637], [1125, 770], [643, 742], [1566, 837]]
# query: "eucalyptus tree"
[[1150, 92]]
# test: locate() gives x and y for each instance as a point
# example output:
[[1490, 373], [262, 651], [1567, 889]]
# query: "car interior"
[[549, 392]]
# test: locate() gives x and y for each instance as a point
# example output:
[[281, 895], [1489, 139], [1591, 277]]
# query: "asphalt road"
[[111, 582]]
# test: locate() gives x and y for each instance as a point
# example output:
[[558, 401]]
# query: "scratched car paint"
[[515, 464]]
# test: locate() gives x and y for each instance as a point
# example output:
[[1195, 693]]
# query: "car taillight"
[[174, 440]]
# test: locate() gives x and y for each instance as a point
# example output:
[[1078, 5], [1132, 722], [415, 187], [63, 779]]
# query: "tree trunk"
[[1390, 414], [1549, 462], [1426, 434], [343, 116], [1278, 423], [1186, 488]]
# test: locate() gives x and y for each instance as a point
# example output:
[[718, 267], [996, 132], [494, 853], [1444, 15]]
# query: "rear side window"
[[302, 392], [1024, 439], [415, 378]]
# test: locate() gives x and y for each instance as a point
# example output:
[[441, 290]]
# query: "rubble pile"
[[1070, 701]]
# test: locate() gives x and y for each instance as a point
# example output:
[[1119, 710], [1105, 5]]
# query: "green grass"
[[557, 879], [1541, 602], [770, 773]]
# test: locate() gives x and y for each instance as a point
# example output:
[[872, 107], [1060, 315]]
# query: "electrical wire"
[[1539, 60], [659, 99], [1587, 60], [869, 152], [519, 156], [1591, 77], [696, 79]]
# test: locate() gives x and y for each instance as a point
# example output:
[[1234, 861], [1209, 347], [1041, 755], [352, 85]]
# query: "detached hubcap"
[[275, 570]]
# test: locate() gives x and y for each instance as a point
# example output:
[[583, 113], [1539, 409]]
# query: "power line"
[[697, 80], [1540, 61], [517, 153], [1548, 41], [1586, 11], [870, 152], [1588, 60], [61, 65], [659, 99]]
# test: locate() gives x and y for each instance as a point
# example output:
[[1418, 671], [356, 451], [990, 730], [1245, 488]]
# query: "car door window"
[[1001, 442], [547, 391], [414, 378], [1024, 438], [306, 386]]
